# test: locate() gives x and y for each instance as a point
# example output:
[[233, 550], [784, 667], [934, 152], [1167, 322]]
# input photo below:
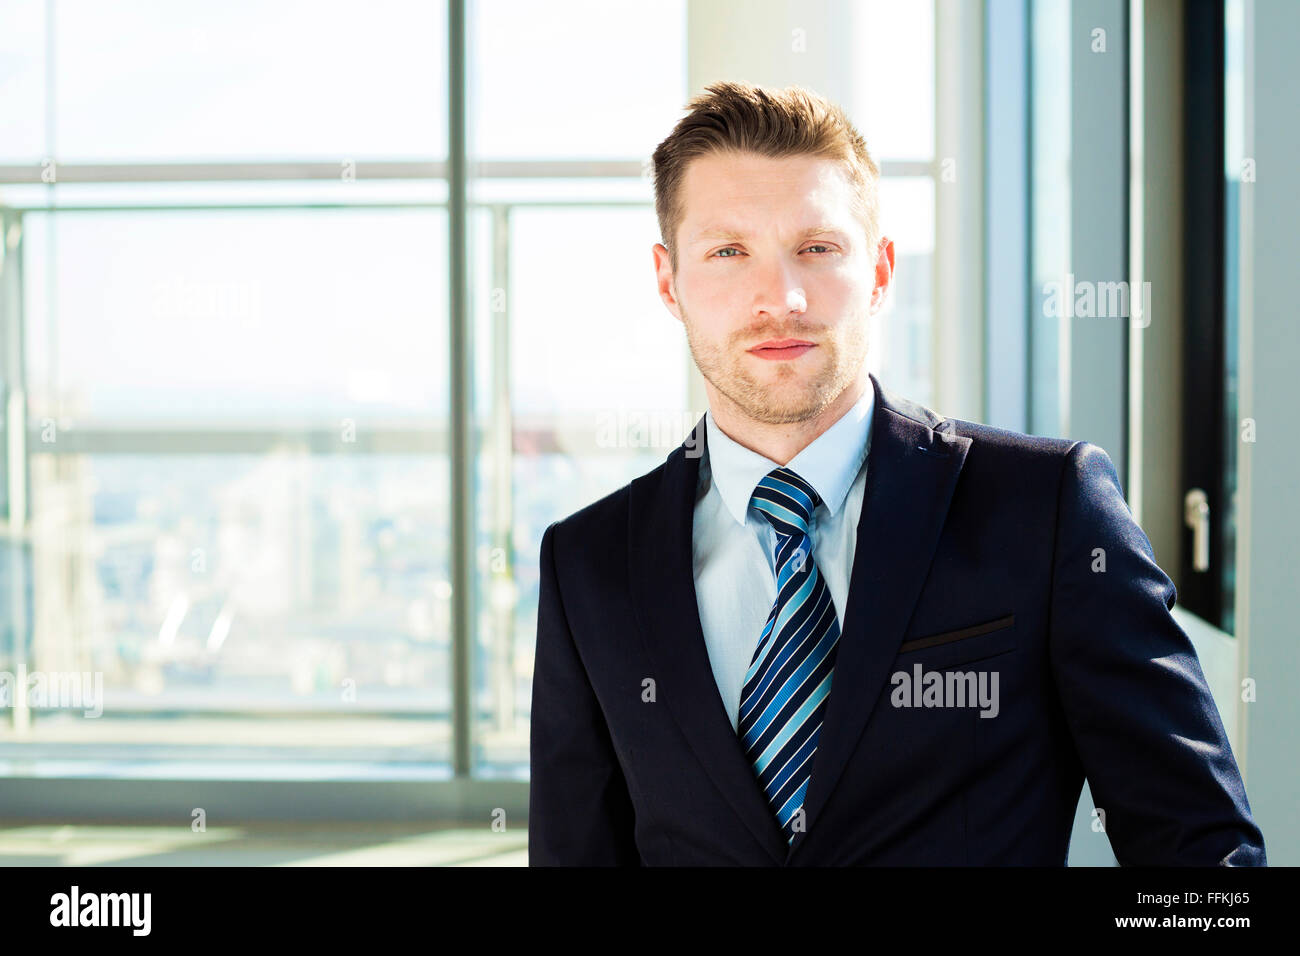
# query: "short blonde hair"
[[740, 117]]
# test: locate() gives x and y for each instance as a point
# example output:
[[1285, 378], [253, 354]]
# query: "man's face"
[[769, 249]]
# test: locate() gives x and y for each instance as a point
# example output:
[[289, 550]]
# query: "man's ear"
[[884, 272], [664, 279]]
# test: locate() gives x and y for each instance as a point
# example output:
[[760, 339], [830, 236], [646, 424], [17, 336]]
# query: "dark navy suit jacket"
[[977, 550]]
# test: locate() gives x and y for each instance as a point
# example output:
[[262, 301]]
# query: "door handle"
[[1196, 515]]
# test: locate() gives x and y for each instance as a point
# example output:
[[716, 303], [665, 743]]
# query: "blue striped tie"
[[787, 683]]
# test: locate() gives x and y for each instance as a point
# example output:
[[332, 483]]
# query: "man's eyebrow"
[[727, 233]]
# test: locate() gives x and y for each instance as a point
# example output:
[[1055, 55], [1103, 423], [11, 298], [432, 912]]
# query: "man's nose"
[[779, 295]]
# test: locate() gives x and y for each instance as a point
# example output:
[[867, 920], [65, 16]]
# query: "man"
[[834, 627]]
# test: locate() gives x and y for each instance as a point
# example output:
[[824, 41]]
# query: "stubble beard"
[[789, 394]]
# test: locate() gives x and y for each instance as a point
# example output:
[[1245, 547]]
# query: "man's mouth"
[[781, 349]]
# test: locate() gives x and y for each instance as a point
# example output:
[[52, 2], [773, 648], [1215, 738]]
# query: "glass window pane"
[[607, 335], [1234, 163], [893, 78], [239, 507], [205, 586], [901, 352], [600, 80], [597, 392], [237, 316], [22, 83], [249, 79], [1050, 210]]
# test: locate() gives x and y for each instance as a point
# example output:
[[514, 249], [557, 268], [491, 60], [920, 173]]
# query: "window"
[[230, 289], [229, 272]]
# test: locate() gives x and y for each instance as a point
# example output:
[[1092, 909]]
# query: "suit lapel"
[[663, 592], [911, 473]]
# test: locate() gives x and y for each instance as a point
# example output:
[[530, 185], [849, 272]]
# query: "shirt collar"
[[829, 463]]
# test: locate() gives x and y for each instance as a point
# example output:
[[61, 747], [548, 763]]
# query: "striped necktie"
[[787, 683]]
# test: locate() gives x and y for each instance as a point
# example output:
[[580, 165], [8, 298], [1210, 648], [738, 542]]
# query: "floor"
[[260, 845]]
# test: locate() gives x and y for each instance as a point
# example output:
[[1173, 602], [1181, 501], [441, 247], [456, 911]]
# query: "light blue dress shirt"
[[732, 544]]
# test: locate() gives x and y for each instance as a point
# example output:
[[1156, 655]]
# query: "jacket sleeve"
[[579, 811], [1137, 703]]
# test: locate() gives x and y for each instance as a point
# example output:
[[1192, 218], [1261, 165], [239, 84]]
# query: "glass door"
[[1212, 429]]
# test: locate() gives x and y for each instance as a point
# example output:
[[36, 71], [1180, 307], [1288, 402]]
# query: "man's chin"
[[779, 412]]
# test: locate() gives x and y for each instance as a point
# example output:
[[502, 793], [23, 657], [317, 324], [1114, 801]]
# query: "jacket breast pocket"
[[962, 645]]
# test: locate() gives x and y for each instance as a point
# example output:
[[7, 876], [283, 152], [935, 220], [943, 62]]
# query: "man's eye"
[[719, 253]]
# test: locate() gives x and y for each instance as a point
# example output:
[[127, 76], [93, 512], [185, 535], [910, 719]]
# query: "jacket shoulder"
[[1019, 460], [988, 442], [984, 438], [607, 514], [1008, 441], [603, 514]]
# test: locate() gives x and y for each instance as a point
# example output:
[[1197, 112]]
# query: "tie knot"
[[786, 500]]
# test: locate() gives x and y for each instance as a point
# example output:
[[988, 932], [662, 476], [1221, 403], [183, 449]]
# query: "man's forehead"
[[712, 211], [719, 230]]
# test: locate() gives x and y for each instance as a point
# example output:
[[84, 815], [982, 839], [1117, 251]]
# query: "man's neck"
[[780, 442]]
